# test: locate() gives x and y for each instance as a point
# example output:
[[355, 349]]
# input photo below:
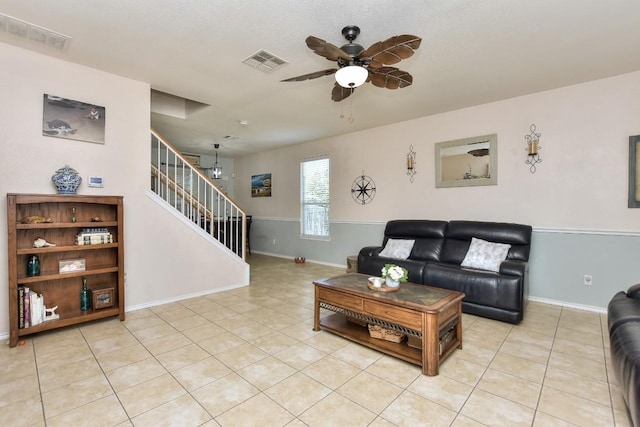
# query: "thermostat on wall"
[[95, 181]]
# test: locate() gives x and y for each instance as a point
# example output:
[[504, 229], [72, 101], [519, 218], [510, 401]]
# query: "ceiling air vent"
[[265, 61], [34, 33]]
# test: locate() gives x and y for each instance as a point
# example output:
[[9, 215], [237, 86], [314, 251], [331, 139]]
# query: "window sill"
[[319, 238]]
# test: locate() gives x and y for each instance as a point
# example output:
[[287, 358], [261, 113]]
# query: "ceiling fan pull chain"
[[351, 118]]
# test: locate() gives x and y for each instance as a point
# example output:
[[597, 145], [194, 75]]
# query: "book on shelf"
[[93, 239], [96, 231], [27, 310], [88, 235], [31, 308], [36, 306], [21, 307]]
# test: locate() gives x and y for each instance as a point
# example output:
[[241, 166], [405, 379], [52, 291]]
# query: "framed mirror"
[[467, 162]]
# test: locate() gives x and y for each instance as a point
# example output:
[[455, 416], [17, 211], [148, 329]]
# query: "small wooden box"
[[415, 342], [102, 297]]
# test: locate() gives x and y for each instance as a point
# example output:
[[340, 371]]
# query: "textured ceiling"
[[473, 52]]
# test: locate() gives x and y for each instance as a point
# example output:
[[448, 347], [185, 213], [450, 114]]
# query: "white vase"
[[392, 283]]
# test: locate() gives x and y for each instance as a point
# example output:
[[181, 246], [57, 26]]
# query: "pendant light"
[[216, 172]]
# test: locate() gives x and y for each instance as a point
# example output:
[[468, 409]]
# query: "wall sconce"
[[532, 149], [411, 163]]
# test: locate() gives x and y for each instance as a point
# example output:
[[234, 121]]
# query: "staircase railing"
[[193, 194]]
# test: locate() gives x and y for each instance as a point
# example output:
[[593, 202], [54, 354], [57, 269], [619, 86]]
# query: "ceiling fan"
[[357, 65]]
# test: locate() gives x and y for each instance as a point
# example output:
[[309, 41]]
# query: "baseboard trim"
[[181, 298], [569, 305], [330, 264]]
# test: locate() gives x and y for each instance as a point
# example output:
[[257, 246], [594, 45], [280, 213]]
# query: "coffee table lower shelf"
[[338, 324]]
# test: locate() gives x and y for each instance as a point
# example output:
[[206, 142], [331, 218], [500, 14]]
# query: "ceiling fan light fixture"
[[351, 76]]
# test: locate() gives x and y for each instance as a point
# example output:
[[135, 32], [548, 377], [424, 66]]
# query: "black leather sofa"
[[624, 336], [439, 249]]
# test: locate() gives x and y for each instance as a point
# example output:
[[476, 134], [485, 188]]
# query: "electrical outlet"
[[274, 241], [588, 280]]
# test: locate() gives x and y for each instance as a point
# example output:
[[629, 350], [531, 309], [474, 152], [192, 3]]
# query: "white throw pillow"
[[397, 249], [485, 255]]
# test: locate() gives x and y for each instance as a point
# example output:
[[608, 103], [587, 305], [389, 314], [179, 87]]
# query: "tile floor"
[[248, 357]]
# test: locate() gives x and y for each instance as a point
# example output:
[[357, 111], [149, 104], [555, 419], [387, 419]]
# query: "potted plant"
[[394, 274]]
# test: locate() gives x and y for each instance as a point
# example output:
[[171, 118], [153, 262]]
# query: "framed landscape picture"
[[70, 119], [261, 185]]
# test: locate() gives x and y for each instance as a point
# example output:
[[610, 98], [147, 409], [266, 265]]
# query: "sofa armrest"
[[513, 267], [622, 310], [370, 251], [634, 291]]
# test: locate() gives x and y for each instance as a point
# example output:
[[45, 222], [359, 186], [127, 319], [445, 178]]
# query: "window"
[[314, 198]]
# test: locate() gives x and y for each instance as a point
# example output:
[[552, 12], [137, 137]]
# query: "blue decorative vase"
[[67, 180]]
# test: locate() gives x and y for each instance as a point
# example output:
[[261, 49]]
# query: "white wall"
[[581, 185], [164, 259], [582, 182]]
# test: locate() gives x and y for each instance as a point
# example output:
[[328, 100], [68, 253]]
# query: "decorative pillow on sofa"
[[397, 249], [485, 255]]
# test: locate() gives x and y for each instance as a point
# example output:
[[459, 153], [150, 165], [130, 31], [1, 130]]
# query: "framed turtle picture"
[[70, 119]]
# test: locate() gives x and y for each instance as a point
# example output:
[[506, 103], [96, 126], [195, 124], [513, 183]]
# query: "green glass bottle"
[[33, 266], [85, 301]]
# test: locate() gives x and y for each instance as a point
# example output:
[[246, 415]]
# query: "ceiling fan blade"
[[339, 93], [310, 76], [390, 51], [328, 50], [390, 78]]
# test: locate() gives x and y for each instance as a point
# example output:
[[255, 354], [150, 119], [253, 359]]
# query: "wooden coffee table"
[[430, 317]]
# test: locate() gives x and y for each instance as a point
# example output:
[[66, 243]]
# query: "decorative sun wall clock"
[[363, 189]]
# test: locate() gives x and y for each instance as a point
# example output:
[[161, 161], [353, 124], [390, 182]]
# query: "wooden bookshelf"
[[104, 263]]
